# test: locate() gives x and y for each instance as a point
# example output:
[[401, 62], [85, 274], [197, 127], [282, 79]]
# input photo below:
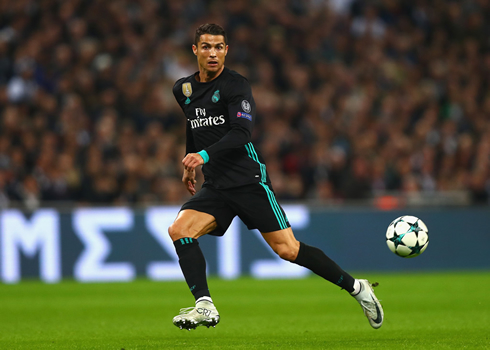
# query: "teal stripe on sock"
[[185, 240], [340, 279]]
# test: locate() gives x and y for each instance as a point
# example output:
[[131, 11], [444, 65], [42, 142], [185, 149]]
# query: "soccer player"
[[220, 112]]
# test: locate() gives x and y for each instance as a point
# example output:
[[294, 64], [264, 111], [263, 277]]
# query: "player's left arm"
[[241, 111]]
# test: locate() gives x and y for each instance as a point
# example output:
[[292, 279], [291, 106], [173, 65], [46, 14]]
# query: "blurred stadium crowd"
[[354, 98]]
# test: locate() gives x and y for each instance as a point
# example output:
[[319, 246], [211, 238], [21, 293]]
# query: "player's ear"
[[194, 49], [226, 50]]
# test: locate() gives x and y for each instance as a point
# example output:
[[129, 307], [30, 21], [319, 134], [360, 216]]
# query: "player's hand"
[[189, 180], [191, 161]]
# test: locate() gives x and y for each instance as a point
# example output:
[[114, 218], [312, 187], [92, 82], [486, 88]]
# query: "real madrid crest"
[[215, 97], [187, 89]]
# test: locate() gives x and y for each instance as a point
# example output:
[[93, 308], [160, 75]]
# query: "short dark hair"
[[209, 28]]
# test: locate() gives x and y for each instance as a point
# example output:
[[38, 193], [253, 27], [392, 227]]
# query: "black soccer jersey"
[[220, 117]]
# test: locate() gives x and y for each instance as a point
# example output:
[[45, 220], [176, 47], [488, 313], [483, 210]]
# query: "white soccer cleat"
[[370, 304], [203, 314]]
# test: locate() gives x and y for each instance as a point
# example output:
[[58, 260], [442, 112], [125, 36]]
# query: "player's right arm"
[[189, 175]]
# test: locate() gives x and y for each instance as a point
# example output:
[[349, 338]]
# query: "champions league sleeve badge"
[[246, 106]]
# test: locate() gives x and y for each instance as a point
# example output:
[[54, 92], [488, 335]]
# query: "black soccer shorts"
[[254, 204]]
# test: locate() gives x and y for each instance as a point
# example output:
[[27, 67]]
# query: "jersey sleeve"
[[241, 111], [189, 140], [177, 91], [179, 97]]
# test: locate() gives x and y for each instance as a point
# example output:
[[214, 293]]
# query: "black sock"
[[193, 266], [314, 259]]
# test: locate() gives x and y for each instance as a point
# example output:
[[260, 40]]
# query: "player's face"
[[211, 52]]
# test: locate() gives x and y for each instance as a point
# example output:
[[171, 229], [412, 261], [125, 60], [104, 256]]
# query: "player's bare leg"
[[283, 243], [288, 248], [187, 228]]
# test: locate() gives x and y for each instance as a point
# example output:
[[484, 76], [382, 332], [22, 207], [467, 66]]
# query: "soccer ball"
[[407, 236]]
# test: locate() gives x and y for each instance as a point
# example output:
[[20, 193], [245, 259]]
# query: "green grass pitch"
[[422, 311]]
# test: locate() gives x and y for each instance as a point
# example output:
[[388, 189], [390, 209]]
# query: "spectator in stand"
[[386, 96]]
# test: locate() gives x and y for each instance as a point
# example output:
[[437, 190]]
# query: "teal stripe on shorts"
[[281, 219]]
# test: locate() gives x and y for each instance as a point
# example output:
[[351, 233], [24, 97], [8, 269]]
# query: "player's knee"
[[287, 252], [175, 231]]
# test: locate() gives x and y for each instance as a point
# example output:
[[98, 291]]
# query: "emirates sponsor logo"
[[203, 120]]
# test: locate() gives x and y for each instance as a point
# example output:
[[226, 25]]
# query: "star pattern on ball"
[[416, 249], [415, 228], [397, 221], [397, 239]]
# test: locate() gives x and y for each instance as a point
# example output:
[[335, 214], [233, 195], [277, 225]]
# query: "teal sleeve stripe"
[[204, 156]]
